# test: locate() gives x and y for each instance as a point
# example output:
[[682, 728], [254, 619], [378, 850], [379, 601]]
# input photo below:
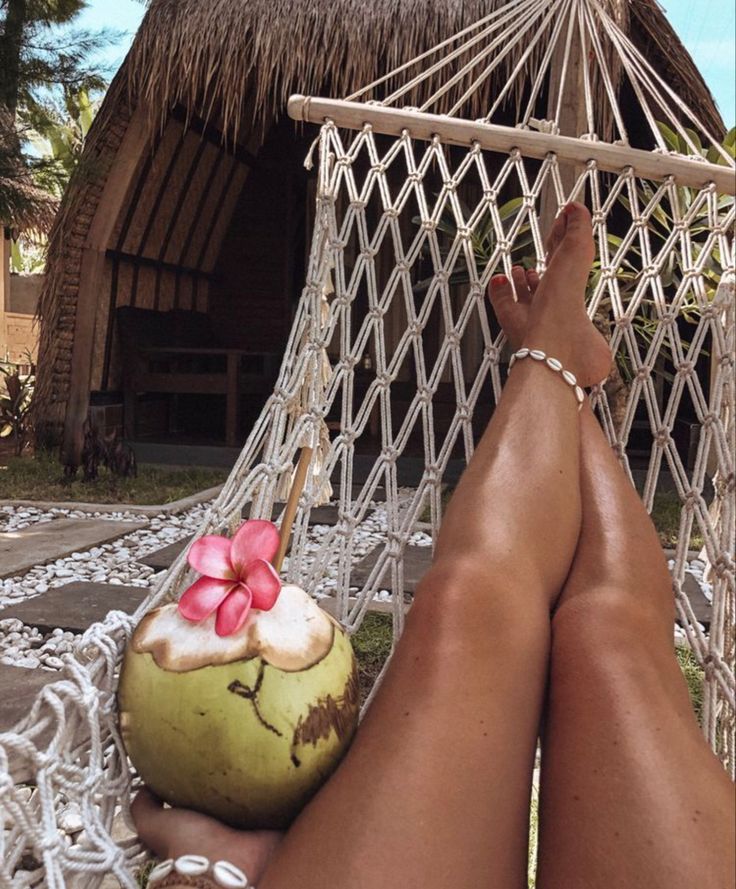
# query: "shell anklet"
[[554, 365]]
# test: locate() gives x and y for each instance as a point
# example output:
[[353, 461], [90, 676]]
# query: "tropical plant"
[[43, 62], [15, 403], [666, 211]]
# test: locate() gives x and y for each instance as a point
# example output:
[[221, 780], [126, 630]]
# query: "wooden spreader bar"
[[420, 125]]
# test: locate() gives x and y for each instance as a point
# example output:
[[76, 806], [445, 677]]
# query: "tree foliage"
[[47, 85]]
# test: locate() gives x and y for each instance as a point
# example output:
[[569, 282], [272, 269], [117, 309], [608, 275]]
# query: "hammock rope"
[[407, 233]]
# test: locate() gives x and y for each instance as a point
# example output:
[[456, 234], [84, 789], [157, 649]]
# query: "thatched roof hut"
[[192, 196]]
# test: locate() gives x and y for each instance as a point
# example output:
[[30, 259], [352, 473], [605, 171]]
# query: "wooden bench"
[[176, 353]]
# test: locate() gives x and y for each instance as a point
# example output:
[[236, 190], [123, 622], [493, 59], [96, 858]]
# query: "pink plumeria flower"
[[237, 576]]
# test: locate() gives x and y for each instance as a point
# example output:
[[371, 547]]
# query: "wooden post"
[[123, 169], [232, 399], [4, 289], [572, 118]]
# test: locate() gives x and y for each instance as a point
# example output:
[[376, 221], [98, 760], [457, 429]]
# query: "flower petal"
[[202, 597], [234, 610], [210, 555], [264, 582], [255, 539]]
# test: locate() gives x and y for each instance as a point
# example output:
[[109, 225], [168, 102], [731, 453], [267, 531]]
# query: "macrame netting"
[[407, 234]]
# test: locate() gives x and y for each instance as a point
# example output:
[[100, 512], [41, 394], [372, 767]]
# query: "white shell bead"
[[579, 394], [228, 876], [537, 355], [570, 377], [554, 364], [522, 353], [192, 865], [163, 869]]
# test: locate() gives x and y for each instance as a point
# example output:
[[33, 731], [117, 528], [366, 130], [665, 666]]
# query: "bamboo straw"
[[297, 486]]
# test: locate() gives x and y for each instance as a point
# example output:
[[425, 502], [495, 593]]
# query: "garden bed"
[[40, 477]]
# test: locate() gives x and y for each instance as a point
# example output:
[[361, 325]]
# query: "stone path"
[[18, 689], [165, 558], [75, 606], [417, 560], [23, 549]]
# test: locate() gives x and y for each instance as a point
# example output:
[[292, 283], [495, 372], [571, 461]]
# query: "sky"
[[706, 27]]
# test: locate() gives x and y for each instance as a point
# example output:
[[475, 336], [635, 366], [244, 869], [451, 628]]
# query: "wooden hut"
[[180, 246]]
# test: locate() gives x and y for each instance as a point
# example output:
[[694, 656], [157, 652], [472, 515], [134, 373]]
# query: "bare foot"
[[549, 313], [169, 833]]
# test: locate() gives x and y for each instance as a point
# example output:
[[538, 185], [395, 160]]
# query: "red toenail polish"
[[499, 280]]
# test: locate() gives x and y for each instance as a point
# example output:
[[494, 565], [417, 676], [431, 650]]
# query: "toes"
[[556, 234], [150, 819], [579, 229], [521, 287], [500, 290], [510, 314], [532, 281]]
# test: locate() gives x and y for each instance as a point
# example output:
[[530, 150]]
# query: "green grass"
[[694, 677], [666, 511], [40, 477], [372, 645]]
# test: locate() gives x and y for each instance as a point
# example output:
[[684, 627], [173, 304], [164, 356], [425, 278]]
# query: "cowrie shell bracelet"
[[554, 365], [221, 873]]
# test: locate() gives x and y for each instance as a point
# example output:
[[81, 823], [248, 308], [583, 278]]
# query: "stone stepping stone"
[[702, 608], [18, 689], [45, 542], [329, 604], [417, 560], [324, 515], [278, 508], [379, 495], [165, 558], [75, 606]]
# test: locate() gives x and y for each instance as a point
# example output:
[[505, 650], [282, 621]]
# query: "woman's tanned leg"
[[632, 795], [435, 789]]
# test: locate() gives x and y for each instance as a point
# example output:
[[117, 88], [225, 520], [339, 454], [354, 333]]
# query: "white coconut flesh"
[[295, 634]]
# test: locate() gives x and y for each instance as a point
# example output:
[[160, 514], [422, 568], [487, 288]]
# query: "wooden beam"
[[152, 262], [493, 137], [572, 119], [211, 134]]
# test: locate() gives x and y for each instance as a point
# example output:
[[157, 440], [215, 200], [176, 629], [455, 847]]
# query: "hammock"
[[416, 209]]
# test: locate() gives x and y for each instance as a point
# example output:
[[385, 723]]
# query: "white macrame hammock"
[[391, 209]]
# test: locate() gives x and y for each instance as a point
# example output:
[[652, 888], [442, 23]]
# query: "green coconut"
[[247, 727]]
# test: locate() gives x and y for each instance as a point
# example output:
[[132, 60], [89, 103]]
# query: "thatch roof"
[[236, 57]]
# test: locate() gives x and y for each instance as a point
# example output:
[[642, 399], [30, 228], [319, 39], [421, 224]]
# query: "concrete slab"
[[18, 689], [324, 515], [329, 604], [75, 606], [165, 558], [417, 560], [278, 508], [45, 542], [701, 607]]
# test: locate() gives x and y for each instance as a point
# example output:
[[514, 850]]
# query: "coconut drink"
[[239, 700]]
